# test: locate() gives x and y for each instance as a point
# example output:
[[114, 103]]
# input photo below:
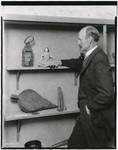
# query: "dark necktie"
[[85, 61], [82, 55]]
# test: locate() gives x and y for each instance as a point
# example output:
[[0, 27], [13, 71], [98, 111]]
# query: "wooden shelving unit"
[[56, 21]]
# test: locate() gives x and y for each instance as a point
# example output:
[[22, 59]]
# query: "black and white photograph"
[[58, 75]]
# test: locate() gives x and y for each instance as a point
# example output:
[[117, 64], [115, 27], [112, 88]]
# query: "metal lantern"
[[27, 52]]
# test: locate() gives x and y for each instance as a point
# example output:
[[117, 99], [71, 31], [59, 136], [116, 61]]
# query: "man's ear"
[[90, 39]]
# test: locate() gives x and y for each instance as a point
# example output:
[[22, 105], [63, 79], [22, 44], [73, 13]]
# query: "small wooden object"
[[61, 106], [18, 129]]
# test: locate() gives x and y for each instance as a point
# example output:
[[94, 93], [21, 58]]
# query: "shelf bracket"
[[17, 79], [76, 76], [18, 129]]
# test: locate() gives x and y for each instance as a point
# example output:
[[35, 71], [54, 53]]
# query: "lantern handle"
[[29, 41]]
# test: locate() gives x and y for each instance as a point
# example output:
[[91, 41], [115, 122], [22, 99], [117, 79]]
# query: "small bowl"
[[33, 144]]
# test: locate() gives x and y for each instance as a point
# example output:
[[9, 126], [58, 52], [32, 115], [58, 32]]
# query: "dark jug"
[[33, 144]]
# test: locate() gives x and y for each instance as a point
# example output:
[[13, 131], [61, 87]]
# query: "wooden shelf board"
[[41, 68], [59, 20], [44, 113], [35, 68]]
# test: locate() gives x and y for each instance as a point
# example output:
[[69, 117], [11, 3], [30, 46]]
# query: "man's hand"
[[52, 63], [87, 110]]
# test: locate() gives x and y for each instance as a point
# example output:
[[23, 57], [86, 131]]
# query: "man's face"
[[83, 41]]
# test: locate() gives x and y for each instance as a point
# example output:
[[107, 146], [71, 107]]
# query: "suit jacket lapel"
[[89, 59]]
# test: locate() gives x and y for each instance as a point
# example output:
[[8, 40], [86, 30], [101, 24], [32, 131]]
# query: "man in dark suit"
[[95, 96]]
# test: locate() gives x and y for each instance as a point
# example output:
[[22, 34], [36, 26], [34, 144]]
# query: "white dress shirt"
[[90, 51]]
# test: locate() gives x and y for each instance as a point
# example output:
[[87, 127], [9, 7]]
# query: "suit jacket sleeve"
[[75, 64], [104, 87]]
